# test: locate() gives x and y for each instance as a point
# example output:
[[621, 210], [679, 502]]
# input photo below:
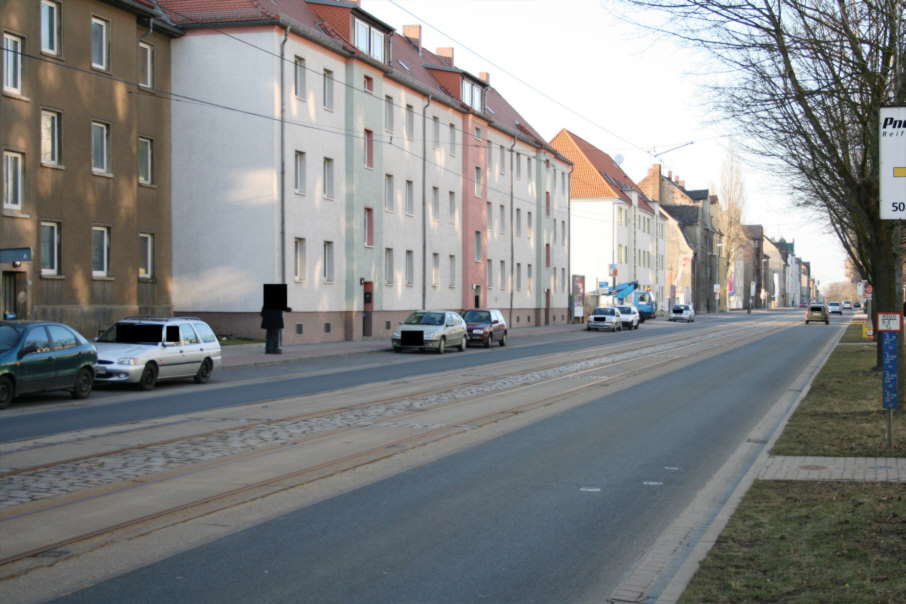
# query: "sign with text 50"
[[893, 162]]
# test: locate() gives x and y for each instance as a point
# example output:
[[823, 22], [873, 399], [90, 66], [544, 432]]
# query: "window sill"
[[101, 173], [52, 166], [15, 94], [151, 280], [14, 213], [101, 278], [147, 185], [53, 276]]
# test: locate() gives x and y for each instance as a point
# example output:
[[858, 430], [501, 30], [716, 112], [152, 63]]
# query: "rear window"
[[132, 333], [816, 308], [603, 311]]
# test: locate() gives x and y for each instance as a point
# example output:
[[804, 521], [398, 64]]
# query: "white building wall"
[[592, 244]]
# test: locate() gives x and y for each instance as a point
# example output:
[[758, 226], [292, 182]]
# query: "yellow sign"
[[898, 172], [867, 330]]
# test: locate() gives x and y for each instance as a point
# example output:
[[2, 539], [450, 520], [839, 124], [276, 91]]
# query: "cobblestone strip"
[[880, 469]]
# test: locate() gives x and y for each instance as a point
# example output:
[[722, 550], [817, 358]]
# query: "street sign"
[[893, 162], [889, 321]]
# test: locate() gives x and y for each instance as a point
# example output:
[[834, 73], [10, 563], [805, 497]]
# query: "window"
[[50, 248], [477, 181], [410, 122], [477, 246], [100, 251], [299, 78], [490, 274], [50, 27], [502, 166], [410, 267], [327, 271], [452, 270], [388, 193], [145, 65], [477, 133], [518, 276], [369, 149], [300, 173], [547, 203], [12, 63], [547, 255], [301, 270], [145, 255], [436, 130], [528, 277], [501, 226], [518, 163], [369, 40], [452, 149], [563, 231], [328, 178], [489, 217], [388, 266], [99, 43], [435, 203], [369, 227], [528, 224], [100, 138], [388, 113], [502, 279], [328, 89], [50, 138], [145, 161], [518, 223], [13, 180], [410, 198], [472, 94], [368, 84], [435, 270], [452, 203]]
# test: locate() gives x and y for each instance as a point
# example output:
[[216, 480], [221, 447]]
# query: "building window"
[[50, 138], [145, 161], [528, 225], [388, 192], [477, 246], [388, 113], [369, 227], [300, 173], [12, 63], [388, 266], [547, 203], [145, 65], [145, 255], [502, 279], [100, 139], [410, 198], [328, 178], [518, 223], [472, 95], [490, 274], [328, 89], [502, 222], [50, 27], [369, 149], [452, 203], [477, 181], [301, 269], [410, 267], [435, 270], [368, 84], [528, 277], [100, 49], [13, 180], [489, 218], [327, 272], [436, 131], [369, 40], [50, 248], [477, 133], [435, 203], [547, 255], [410, 122], [452, 149], [100, 251], [452, 270], [518, 163], [518, 276], [299, 78], [502, 166]]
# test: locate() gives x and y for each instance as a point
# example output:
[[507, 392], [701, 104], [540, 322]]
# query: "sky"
[[572, 64]]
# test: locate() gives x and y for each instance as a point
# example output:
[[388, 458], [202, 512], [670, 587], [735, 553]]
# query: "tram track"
[[496, 392]]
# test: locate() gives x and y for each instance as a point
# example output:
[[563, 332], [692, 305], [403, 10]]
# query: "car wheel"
[[806, 321], [204, 372], [490, 339], [149, 377], [636, 326], [462, 344], [397, 349], [83, 382], [441, 346], [503, 339], [588, 328], [6, 392], [827, 322]]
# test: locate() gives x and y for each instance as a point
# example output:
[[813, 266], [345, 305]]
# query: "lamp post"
[[717, 278]]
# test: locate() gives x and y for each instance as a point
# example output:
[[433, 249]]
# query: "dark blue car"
[[39, 356]]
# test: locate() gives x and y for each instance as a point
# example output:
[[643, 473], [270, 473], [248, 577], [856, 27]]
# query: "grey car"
[[431, 330], [143, 350], [608, 318]]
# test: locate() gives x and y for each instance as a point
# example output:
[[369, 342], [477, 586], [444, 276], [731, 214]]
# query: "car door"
[[170, 355], [36, 362], [191, 350], [68, 359]]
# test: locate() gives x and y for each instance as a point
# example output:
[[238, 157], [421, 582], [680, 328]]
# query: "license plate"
[[477, 331]]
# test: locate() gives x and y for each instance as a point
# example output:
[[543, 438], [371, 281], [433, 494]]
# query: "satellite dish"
[[619, 159]]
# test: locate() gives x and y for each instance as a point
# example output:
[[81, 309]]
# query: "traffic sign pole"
[[889, 326]]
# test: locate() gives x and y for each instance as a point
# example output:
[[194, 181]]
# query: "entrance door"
[[10, 294], [368, 305], [477, 296]]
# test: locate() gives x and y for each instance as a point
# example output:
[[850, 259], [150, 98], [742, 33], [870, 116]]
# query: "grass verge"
[[796, 541]]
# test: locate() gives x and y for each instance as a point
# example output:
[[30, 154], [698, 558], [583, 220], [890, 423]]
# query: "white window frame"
[[146, 65], [327, 269], [369, 149], [435, 123], [13, 180], [50, 27], [410, 198], [435, 203], [452, 149], [502, 222], [146, 255], [104, 268], [503, 278], [328, 178], [410, 268], [300, 172], [435, 269], [328, 90], [477, 246], [50, 137], [490, 273], [100, 27], [388, 113], [452, 202], [50, 259], [145, 161], [299, 80], [300, 268], [410, 122], [477, 181], [388, 266], [100, 135], [368, 226], [389, 202], [13, 49], [452, 270], [368, 39]]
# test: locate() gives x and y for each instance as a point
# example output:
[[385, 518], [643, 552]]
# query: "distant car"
[[847, 305], [834, 308], [143, 350], [485, 326], [605, 318], [39, 356], [682, 312], [857, 305], [431, 330], [803, 305], [630, 315], [817, 312]]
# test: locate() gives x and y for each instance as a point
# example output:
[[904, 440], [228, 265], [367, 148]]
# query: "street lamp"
[[717, 279]]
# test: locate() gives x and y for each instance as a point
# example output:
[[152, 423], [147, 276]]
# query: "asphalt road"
[[558, 511]]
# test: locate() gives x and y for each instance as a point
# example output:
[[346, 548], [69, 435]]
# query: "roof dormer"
[[472, 93], [369, 35], [370, 38]]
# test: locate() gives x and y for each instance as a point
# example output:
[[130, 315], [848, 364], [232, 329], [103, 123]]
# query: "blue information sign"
[[889, 364]]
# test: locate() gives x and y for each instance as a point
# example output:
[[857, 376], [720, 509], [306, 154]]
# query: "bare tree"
[[732, 198], [805, 82]]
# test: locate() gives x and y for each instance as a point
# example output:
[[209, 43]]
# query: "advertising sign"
[[578, 296], [893, 162]]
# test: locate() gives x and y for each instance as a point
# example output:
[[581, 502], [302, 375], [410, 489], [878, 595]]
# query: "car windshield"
[[478, 316], [425, 318], [625, 309], [131, 333], [9, 335], [604, 311]]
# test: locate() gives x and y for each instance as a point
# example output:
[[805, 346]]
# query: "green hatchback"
[[39, 356], [817, 312]]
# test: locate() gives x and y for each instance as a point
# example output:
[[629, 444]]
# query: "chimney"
[[485, 77], [413, 33], [446, 54], [670, 175]]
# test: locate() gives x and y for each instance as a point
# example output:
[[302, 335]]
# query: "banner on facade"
[[731, 283], [578, 296]]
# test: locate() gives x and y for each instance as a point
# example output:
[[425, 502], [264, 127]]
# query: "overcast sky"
[[571, 64]]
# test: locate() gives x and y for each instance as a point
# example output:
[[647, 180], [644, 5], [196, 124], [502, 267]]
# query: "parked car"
[[630, 316], [431, 330], [143, 350], [817, 312], [847, 305], [39, 356], [835, 308], [605, 318], [485, 326], [857, 305], [682, 312]]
